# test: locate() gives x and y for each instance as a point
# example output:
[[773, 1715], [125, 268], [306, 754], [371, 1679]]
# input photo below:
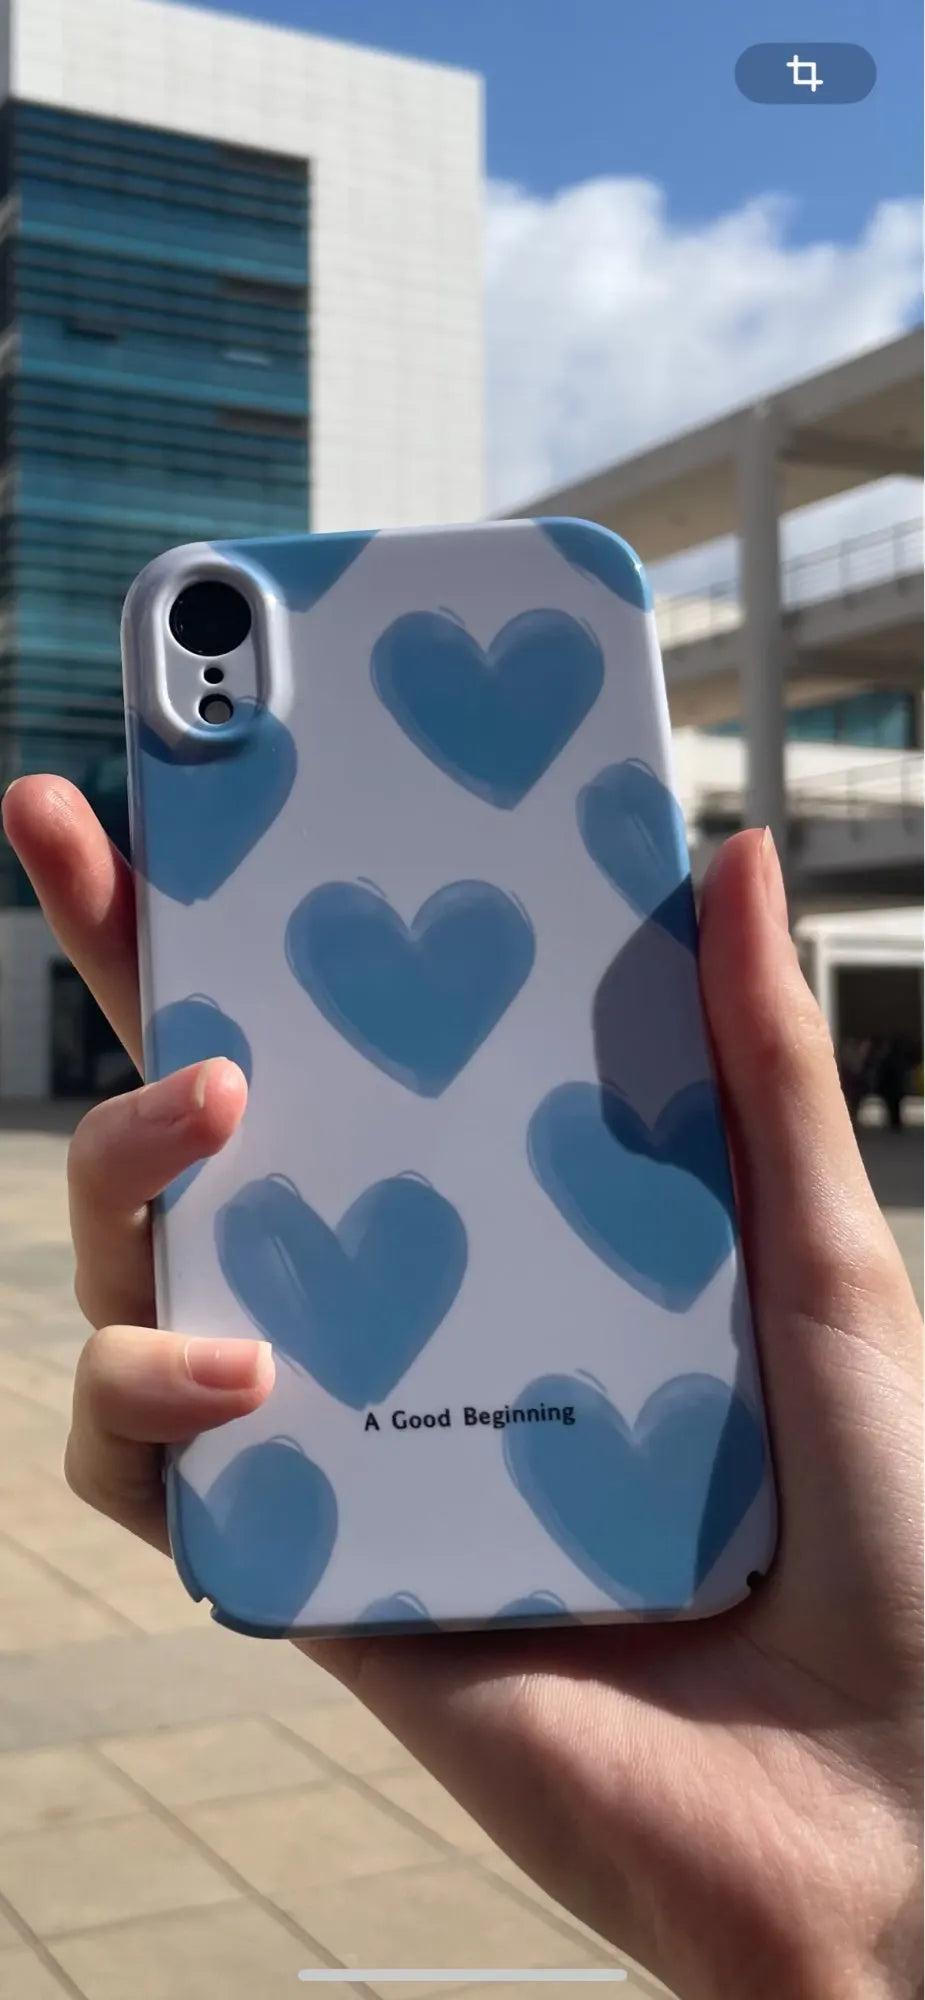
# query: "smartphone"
[[408, 851]]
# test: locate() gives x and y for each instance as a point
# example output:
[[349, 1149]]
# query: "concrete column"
[[762, 668]]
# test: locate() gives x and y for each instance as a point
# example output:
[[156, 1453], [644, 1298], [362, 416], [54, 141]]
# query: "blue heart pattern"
[[355, 1306], [644, 1511], [633, 828], [403, 1612], [190, 1031], [597, 552], [206, 805], [400, 1613], [302, 568], [654, 1203], [493, 720], [416, 1001], [540, 1606], [263, 1535]]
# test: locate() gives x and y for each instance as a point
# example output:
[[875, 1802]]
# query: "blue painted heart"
[[354, 1306], [644, 1510], [542, 1607], [206, 805], [397, 1614], [494, 720], [303, 568], [260, 1541], [598, 553], [654, 1203], [633, 828], [416, 1000], [190, 1031]]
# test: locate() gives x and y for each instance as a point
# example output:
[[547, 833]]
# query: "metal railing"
[[882, 556], [896, 785], [893, 788]]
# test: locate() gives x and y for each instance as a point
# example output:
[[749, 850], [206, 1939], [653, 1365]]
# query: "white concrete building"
[[796, 689], [393, 154], [244, 295]]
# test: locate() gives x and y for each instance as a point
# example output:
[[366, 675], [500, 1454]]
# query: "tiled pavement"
[[185, 1813]]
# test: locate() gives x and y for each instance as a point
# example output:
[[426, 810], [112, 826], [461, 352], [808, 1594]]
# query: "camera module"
[[210, 617]]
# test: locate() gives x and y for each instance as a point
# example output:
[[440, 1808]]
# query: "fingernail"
[[216, 1069], [202, 1082], [169, 1102], [774, 889], [229, 1364]]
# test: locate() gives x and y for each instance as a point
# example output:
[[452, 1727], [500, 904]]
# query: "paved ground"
[[183, 1812], [894, 1161]]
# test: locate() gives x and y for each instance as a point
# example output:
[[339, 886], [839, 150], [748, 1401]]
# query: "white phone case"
[[430, 888]]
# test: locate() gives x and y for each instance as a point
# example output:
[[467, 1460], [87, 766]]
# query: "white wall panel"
[[395, 153]]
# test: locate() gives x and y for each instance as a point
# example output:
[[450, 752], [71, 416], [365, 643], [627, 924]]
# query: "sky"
[[657, 248]]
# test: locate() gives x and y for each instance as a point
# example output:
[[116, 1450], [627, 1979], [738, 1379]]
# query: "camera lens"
[[210, 617], [216, 709]]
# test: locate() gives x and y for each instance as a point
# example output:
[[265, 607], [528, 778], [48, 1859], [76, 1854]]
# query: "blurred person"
[[855, 1072], [891, 1077]]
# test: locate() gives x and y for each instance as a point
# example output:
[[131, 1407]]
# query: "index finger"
[[86, 892]]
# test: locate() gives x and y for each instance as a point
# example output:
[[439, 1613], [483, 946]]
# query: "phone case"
[[430, 888]]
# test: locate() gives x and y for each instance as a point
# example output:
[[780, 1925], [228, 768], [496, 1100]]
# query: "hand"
[[735, 1802]]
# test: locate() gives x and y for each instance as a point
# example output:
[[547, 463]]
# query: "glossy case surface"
[[430, 888]]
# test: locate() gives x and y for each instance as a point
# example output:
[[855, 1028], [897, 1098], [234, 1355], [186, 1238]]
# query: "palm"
[[668, 1759], [660, 1784], [663, 1781]]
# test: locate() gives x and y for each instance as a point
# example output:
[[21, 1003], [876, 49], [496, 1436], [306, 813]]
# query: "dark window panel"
[[144, 263]]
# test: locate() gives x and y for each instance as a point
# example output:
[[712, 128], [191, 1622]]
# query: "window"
[[158, 393], [82, 328], [252, 357], [871, 721], [884, 720], [253, 291], [263, 423]]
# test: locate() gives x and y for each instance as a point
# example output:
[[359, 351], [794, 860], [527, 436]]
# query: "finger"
[[838, 1328], [816, 1240], [137, 1390], [86, 892], [123, 1153]]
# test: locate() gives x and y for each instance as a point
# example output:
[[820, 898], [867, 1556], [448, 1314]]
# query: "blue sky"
[[578, 89], [658, 250]]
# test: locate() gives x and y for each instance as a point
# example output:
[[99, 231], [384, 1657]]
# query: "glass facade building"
[[154, 390], [882, 721], [240, 294]]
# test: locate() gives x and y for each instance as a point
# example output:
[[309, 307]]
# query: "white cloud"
[[610, 327]]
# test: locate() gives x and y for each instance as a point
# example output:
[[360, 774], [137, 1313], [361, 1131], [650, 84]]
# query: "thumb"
[[816, 1242]]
